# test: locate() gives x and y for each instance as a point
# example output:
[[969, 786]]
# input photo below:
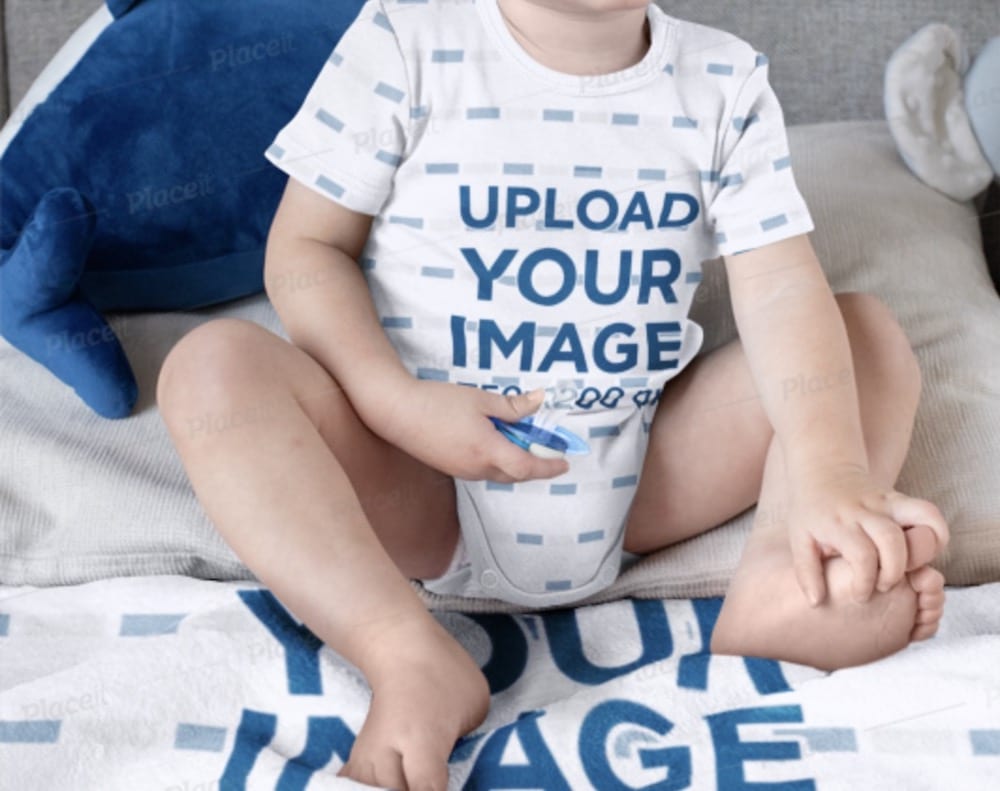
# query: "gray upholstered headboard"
[[827, 56]]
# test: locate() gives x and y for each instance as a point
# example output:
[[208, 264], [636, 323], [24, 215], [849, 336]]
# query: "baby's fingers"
[[516, 464], [909, 511], [808, 564], [513, 408], [860, 553], [891, 545]]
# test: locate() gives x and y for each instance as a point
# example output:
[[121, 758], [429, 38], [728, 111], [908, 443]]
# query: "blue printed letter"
[[567, 647], [600, 721], [591, 271], [731, 753], [516, 208], [540, 771], [531, 263], [301, 646], [491, 213], [628, 350], [668, 206], [489, 334], [487, 276], [665, 281]]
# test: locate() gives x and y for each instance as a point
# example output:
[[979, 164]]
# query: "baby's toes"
[[921, 546], [926, 623], [930, 600], [925, 631], [926, 580], [929, 586]]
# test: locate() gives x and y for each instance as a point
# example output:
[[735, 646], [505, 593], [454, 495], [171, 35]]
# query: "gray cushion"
[[828, 58], [34, 32], [4, 83]]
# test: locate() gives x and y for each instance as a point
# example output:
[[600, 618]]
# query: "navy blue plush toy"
[[141, 182]]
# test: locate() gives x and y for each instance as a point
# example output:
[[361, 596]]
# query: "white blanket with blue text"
[[177, 684]]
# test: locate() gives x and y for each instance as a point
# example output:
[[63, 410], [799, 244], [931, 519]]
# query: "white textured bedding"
[[167, 682]]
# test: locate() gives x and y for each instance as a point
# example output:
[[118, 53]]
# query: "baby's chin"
[[590, 6]]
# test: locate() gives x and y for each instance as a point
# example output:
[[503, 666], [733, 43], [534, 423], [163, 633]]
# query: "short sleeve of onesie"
[[756, 201], [347, 138]]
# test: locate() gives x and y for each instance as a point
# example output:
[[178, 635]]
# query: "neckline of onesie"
[[662, 30]]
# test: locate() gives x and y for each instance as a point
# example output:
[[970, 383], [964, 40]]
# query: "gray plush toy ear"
[[925, 108]]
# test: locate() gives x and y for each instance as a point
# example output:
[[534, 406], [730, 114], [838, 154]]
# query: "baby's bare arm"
[[797, 347], [313, 279], [796, 344]]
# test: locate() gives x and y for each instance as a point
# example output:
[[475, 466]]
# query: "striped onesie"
[[538, 229]]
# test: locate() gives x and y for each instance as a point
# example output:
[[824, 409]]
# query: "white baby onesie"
[[539, 229]]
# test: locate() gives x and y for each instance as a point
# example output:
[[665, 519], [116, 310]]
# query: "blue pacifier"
[[542, 442]]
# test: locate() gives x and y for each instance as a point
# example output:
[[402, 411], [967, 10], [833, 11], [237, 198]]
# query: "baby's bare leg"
[[333, 520], [713, 452]]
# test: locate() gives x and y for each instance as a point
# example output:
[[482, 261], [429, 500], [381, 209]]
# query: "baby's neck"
[[576, 41]]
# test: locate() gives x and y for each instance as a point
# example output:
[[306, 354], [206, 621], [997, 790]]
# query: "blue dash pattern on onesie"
[[539, 229]]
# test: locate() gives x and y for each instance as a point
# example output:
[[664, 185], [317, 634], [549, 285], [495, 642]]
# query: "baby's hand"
[[843, 512], [448, 427]]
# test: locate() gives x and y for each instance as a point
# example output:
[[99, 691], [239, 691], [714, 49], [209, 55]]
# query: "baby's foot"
[[426, 694], [766, 614]]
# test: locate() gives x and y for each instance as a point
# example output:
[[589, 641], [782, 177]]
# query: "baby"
[[484, 259]]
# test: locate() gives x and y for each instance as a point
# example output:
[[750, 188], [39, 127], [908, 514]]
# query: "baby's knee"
[[208, 362], [876, 334]]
